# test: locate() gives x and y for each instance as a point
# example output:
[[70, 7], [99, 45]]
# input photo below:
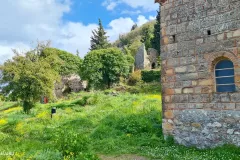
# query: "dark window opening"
[[224, 74], [174, 38], [153, 65], [209, 32]]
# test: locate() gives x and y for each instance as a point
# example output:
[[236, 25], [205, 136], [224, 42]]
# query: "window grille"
[[224, 74]]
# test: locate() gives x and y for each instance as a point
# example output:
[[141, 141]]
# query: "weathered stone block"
[[168, 114], [207, 82], [187, 90], [179, 98]]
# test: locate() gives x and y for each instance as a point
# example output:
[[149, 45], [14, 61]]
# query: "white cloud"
[[109, 4], [131, 12], [119, 26], [23, 22], [152, 18], [141, 20], [146, 5]]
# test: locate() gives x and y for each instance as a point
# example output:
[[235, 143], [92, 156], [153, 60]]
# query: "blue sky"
[[67, 23], [87, 11]]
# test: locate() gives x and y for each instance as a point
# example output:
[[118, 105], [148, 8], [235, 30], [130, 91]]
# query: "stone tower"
[[200, 56]]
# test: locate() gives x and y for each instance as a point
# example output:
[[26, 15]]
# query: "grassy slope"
[[113, 125]]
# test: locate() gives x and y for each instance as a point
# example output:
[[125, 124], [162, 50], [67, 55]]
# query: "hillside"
[[132, 40], [96, 125]]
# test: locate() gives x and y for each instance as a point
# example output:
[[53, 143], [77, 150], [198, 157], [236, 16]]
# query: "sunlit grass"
[[110, 125]]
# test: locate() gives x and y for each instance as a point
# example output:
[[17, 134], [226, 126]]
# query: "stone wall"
[[68, 84], [141, 60], [145, 59], [196, 34]]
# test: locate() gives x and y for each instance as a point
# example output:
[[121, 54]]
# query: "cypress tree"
[[157, 30], [99, 38]]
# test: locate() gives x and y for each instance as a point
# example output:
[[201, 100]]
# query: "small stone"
[[170, 121], [230, 131], [196, 125], [237, 133], [215, 124]]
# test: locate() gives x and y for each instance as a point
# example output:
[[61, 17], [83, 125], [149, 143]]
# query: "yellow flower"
[[20, 128], [43, 115], [3, 122], [12, 109]]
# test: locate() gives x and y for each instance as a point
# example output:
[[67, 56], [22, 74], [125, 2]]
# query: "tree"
[[70, 63], [134, 27], [157, 30], [147, 37], [28, 77], [99, 38], [104, 67]]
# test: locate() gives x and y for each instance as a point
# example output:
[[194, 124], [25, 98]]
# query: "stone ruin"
[[200, 53], [68, 84], [146, 59]]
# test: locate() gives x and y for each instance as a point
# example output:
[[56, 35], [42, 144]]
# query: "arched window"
[[224, 74]]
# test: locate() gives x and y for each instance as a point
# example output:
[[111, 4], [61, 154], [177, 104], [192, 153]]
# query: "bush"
[[71, 143], [151, 76], [134, 78]]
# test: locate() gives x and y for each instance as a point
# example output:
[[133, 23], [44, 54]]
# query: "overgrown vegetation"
[[102, 68], [29, 76], [151, 76], [132, 40], [88, 126], [70, 64]]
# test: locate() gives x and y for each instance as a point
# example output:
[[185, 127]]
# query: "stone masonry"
[[146, 59], [196, 35]]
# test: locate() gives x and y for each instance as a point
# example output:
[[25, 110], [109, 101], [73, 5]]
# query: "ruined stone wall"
[[196, 34], [141, 59]]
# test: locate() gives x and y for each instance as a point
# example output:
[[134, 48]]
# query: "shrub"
[[71, 143], [151, 76], [134, 78]]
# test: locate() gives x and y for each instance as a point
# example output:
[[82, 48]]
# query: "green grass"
[[87, 125]]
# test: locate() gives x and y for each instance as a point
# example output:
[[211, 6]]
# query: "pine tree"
[[99, 38], [157, 30]]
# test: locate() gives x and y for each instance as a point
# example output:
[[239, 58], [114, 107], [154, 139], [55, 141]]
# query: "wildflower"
[[12, 109], [3, 122]]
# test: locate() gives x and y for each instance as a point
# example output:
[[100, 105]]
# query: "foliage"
[[132, 40], [134, 27], [70, 64], [99, 38], [134, 78], [29, 76], [155, 42], [104, 67], [146, 38], [151, 75], [71, 143]]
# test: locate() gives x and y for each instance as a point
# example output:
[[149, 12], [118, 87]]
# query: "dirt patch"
[[122, 157]]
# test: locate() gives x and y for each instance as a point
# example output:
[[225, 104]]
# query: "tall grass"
[[87, 125]]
